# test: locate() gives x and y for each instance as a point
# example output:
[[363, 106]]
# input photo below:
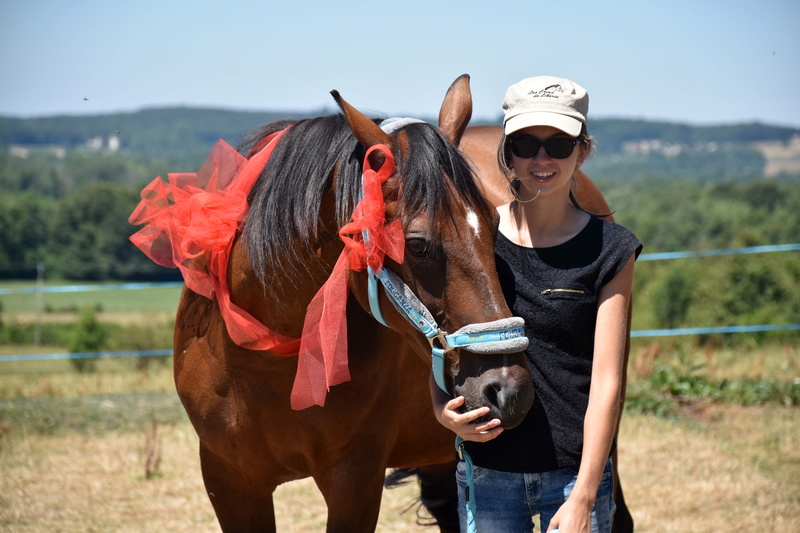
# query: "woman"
[[569, 275]]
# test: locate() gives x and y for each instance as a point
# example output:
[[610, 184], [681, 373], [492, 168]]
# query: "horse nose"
[[500, 382]]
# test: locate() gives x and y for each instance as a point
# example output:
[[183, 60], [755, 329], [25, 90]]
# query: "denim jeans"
[[507, 501]]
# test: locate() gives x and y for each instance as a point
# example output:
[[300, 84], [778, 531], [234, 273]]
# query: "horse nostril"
[[491, 394]]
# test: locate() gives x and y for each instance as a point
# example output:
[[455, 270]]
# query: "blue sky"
[[701, 62]]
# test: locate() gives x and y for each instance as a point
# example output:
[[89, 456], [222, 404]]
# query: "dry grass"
[[57, 379], [75, 483], [722, 469]]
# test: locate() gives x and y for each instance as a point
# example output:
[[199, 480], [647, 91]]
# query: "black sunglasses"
[[526, 146]]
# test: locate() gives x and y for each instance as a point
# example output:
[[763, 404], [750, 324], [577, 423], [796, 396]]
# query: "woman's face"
[[542, 174]]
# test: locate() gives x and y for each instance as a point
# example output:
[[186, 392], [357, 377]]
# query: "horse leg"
[[623, 521], [439, 494], [240, 504], [352, 492]]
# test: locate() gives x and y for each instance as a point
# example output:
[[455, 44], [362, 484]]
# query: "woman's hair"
[[504, 162]]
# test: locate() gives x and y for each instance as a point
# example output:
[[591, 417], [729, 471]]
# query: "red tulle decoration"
[[192, 220], [370, 216]]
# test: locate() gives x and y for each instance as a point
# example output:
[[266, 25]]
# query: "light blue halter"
[[506, 335]]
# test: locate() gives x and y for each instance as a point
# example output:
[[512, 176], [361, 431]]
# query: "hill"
[[179, 134], [628, 150]]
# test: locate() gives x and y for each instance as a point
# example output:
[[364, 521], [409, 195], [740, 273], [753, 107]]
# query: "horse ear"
[[366, 131], [456, 110]]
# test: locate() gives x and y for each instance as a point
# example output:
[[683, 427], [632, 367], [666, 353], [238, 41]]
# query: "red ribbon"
[[370, 216], [323, 348]]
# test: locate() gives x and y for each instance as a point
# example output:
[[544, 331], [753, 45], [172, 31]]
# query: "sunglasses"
[[526, 146]]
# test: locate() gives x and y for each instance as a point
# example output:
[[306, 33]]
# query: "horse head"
[[447, 266]]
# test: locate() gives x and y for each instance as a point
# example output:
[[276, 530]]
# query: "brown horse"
[[285, 251], [480, 144]]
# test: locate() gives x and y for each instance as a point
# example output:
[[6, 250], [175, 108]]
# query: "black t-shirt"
[[555, 290]]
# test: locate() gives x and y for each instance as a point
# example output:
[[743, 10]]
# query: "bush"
[[90, 336]]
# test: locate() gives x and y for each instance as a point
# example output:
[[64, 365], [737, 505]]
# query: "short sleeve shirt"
[[555, 290]]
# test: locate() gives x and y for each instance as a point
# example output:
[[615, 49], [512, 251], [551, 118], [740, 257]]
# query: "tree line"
[[84, 236]]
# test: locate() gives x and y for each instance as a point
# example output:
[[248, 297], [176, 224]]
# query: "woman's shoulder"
[[615, 231], [618, 244]]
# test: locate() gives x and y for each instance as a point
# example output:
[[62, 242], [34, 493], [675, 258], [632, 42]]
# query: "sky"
[[701, 62]]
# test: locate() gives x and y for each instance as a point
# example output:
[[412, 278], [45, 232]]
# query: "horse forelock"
[[429, 174]]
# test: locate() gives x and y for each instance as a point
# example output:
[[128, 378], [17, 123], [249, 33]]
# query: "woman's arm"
[[600, 422]]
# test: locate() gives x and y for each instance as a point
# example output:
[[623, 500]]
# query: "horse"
[[479, 144], [279, 361]]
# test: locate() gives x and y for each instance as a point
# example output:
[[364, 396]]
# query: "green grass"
[[163, 299]]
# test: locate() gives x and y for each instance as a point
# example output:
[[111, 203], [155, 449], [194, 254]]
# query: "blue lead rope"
[[416, 313], [469, 494]]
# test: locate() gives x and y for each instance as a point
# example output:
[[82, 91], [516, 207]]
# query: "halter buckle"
[[441, 336]]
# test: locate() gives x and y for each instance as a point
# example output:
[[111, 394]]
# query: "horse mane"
[[321, 156]]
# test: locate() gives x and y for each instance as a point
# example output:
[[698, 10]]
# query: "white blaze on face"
[[472, 220]]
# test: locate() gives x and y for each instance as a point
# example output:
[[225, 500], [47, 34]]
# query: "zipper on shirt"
[[573, 291]]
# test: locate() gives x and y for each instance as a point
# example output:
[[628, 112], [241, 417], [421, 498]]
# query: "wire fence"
[[634, 334]]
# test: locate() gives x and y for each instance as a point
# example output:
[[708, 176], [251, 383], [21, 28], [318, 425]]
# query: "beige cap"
[[546, 101]]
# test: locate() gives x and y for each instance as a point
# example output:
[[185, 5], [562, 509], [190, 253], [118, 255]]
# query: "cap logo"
[[548, 92]]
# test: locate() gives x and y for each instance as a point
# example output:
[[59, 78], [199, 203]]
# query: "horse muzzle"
[[492, 370]]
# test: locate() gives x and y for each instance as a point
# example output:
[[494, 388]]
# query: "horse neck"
[[282, 306]]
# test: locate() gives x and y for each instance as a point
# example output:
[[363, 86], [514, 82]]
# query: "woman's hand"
[[572, 517], [462, 423], [448, 413]]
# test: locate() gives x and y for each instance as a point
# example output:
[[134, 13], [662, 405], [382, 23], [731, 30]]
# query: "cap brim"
[[569, 125]]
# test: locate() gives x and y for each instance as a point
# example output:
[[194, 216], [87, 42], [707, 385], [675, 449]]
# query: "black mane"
[[283, 225]]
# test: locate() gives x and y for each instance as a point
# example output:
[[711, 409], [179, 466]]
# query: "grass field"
[[113, 306], [138, 300], [112, 450]]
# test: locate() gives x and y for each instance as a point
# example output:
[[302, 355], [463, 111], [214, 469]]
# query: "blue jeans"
[[507, 501]]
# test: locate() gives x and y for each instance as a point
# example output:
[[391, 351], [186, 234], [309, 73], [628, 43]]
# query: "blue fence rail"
[[722, 251], [83, 355], [88, 288], [635, 333]]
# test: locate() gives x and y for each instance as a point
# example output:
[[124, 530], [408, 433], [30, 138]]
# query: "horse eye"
[[418, 247]]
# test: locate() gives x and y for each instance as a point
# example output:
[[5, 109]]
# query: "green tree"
[[24, 231], [89, 239], [673, 297]]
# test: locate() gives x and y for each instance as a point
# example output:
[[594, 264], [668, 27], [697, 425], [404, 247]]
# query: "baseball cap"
[[546, 101]]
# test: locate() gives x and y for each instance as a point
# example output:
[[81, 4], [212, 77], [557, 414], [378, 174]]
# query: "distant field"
[[118, 301]]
